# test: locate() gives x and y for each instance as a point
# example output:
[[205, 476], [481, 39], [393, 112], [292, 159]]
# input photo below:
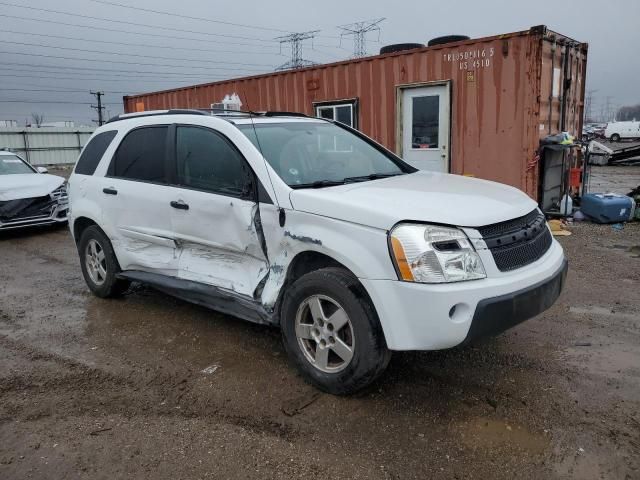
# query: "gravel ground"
[[615, 179], [148, 386]]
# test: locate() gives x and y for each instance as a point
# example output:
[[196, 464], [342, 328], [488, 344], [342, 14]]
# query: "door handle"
[[180, 205], [110, 191]]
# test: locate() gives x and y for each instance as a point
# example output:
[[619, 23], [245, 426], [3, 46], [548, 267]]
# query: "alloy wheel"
[[95, 262], [325, 333]]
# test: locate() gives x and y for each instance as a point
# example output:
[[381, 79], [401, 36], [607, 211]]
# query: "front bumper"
[[59, 213], [437, 316], [497, 314]]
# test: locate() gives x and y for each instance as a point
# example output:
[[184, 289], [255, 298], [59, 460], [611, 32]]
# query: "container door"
[[425, 127]]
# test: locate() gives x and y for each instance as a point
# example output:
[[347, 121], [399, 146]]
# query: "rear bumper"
[[497, 314]]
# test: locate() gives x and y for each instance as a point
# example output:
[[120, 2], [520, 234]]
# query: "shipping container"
[[474, 107]]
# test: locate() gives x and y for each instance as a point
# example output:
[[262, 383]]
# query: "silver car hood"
[[27, 185]]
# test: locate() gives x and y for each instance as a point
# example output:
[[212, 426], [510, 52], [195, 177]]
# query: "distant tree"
[[38, 119], [629, 112]]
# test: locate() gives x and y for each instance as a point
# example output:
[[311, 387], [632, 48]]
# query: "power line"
[[59, 90], [66, 68], [127, 54], [57, 102], [117, 74], [145, 45], [173, 14], [126, 79], [116, 30], [100, 60], [296, 39], [124, 22], [359, 31]]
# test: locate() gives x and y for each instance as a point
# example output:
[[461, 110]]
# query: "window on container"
[[207, 161], [343, 112], [93, 152], [141, 155], [425, 122]]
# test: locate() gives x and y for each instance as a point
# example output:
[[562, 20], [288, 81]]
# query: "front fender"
[[363, 250]]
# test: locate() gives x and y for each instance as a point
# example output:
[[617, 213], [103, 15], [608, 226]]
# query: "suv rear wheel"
[[332, 333], [99, 264]]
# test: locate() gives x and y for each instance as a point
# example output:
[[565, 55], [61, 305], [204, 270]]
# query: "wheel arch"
[[80, 224], [308, 261]]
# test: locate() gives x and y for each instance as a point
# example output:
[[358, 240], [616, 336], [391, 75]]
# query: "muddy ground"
[[151, 387]]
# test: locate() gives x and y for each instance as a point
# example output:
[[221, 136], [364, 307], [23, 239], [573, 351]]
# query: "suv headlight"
[[434, 254]]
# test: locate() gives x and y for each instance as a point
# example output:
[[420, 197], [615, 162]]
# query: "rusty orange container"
[[496, 98]]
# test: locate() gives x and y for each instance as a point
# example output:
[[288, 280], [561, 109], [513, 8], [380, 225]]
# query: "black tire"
[[615, 137], [400, 47], [111, 286], [446, 39], [370, 353]]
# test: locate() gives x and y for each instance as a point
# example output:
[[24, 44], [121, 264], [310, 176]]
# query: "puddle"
[[500, 434]]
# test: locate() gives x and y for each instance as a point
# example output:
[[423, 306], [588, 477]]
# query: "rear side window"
[[93, 152], [141, 155], [207, 161]]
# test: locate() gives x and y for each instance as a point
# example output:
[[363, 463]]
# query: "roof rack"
[[283, 114], [152, 113], [218, 112]]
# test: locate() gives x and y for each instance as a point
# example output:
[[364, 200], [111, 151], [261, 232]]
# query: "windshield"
[[310, 154], [12, 164]]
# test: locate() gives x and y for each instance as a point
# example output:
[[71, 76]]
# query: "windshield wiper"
[[318, 184], [373, 176]]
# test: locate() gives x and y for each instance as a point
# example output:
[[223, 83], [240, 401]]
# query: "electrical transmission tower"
[[296, 39], [588, 106], [359, 31], [99, 107]]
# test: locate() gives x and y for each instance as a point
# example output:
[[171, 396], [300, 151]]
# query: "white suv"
[[308, 224]]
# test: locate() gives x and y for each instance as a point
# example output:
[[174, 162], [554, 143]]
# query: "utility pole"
[[296, 39], [359, 31], [99, 107]]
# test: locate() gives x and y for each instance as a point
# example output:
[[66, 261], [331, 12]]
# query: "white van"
[[309, 225], [618, 130]]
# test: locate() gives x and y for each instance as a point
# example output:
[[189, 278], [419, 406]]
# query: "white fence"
[[46, 145]]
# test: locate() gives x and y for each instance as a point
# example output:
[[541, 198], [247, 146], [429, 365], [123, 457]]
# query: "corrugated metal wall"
[[46, 145], [496, 87]]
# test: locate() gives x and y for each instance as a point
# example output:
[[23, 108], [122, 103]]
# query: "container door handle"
[[110, 191], [180, 205]]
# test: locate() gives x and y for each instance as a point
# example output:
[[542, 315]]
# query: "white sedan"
[[29, 196]]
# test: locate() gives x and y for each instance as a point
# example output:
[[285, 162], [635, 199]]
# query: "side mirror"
[[42, 170]]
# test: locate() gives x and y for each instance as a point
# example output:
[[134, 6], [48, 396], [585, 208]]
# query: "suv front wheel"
[[332, 333], [99, 264]]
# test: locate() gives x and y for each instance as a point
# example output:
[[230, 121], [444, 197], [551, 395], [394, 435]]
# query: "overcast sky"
[[97, 54]]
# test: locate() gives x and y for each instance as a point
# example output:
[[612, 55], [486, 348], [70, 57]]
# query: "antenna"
[[359, 31], [296, 39]]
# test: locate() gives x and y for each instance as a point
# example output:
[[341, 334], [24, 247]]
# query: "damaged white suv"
[[307, 224]]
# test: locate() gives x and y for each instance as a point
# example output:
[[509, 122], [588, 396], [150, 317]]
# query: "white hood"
[[421, 196], [27, 185]]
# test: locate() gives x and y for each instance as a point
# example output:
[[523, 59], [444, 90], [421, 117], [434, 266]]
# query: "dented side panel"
[[363, 250], [137, 220], [218, 240]]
